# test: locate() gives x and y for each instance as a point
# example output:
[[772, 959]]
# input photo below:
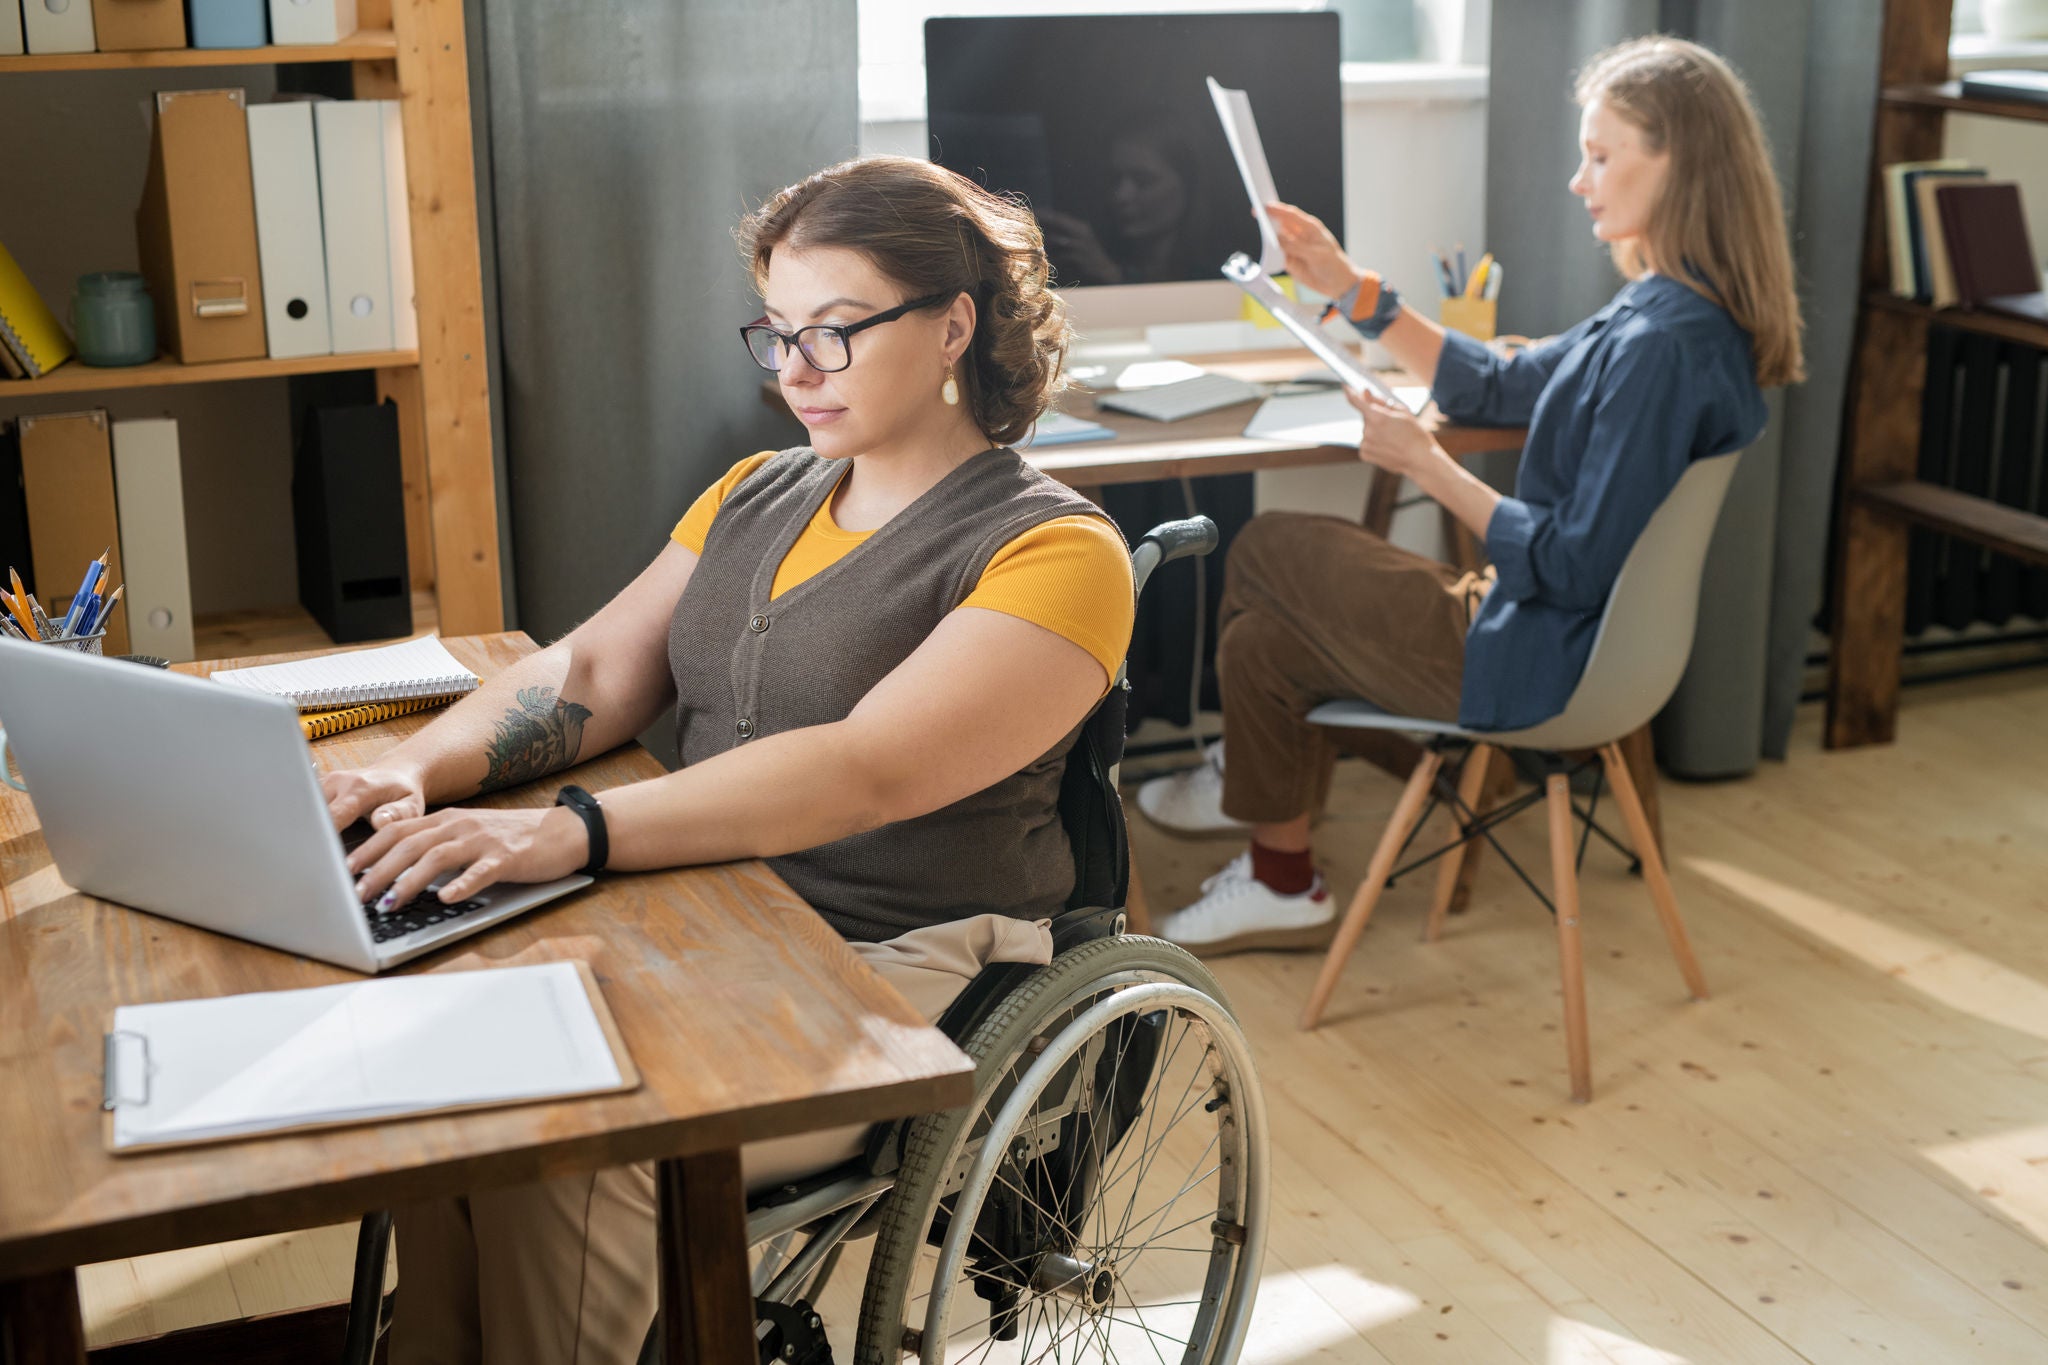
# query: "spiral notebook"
[[416, 668]]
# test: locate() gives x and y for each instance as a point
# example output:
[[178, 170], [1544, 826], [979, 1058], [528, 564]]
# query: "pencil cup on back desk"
[[1468, 302]]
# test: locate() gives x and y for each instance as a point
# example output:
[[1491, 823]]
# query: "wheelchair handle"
[[1171, 540]]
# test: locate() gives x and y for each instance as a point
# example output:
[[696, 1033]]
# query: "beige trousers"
[[563, 1271]]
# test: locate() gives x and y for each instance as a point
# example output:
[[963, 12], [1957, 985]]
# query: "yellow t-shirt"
[[1070, 575]]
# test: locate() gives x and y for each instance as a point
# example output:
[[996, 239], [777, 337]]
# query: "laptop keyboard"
[[422, 912]]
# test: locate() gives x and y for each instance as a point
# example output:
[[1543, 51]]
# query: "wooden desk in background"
[[1215, 443], [746, 1015]]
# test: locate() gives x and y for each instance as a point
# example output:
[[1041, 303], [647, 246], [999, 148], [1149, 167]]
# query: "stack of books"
[[1959, 239]]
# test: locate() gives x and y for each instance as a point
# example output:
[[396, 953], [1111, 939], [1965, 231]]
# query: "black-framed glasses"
[[825, 345]]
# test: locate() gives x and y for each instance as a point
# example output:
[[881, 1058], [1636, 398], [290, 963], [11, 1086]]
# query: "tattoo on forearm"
[[540, 735]]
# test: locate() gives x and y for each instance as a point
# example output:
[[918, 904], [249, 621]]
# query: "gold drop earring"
[[950, 390]]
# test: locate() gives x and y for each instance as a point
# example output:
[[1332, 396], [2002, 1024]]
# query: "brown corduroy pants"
[[1318, 609]]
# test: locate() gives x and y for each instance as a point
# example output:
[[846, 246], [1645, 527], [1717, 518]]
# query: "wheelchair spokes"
[[1106, 1228]]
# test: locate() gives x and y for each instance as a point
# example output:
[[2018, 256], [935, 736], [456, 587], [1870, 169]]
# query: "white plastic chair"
[[1641, 648]]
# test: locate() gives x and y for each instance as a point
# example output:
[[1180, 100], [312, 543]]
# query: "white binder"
[[58, 25], [149, 492], [312, 21], [405, 322], [288, 236], [350, 137], [10, 28]]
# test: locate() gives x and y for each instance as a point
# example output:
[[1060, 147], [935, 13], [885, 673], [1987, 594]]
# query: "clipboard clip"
[[111, 1095]]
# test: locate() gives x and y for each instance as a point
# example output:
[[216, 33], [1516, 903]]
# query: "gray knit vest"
[[746, 667]]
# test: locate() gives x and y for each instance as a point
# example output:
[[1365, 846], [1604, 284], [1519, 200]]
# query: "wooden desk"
[[1215, 443], [747, 1017]]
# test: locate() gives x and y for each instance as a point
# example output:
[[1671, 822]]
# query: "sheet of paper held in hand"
[[1244, 272], [1234, 108], [195, 1070]]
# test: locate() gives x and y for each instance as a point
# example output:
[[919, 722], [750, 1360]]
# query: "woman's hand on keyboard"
[[380, 795], [395, 864]]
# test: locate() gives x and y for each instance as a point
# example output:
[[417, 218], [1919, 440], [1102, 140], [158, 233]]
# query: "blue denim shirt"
[[1616, 408]]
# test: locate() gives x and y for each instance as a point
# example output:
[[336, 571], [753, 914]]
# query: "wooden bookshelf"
[[412, 51], [1949, 97], [74, 377], [1879, 491], [367, 45], [2022, 330]]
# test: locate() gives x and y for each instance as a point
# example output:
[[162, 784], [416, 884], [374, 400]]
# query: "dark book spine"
[[2012, 480], [1937, 439], [1964, 565]]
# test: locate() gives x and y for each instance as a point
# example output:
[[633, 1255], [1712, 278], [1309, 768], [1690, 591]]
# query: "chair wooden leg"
[[1564, 882], [1639, 751], [1450, 876], [1406, 811], [1137, 905], [1649, 850]]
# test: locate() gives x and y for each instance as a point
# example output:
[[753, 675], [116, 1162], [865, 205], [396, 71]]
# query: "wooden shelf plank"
[[2009, 530], [73, 377], [369, 45], [1949, 95], [1964, 319]]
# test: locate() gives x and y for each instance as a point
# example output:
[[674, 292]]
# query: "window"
[[1450, 32]]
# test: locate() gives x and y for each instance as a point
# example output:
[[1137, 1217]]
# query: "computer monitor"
[[1105, 126]]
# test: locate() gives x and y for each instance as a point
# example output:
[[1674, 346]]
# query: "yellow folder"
[[32, 330]]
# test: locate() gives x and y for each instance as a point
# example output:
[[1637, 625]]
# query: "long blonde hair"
[[1719, 225]]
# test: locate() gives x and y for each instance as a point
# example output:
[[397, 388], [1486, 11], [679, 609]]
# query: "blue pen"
[[79, 599]]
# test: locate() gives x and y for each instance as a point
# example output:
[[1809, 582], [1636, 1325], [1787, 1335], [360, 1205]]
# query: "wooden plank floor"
[[1843, 1156]]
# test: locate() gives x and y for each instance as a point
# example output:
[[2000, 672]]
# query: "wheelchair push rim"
[[1157, 1256]]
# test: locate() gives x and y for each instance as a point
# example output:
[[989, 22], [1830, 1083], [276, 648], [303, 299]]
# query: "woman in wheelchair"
[[1677, 180], [878, 649]]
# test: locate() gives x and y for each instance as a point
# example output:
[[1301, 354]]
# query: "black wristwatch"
[[592, 815]]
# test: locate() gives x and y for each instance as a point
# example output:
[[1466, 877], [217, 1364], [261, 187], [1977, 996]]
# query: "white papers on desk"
[[194, 1070], [1320, 418], [1241, 130]]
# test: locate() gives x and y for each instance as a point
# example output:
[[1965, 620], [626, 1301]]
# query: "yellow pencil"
[[1476, 286]]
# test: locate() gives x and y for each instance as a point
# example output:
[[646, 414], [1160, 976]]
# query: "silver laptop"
[[200, 803]]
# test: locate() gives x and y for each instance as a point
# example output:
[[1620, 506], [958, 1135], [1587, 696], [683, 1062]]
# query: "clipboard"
[[132, 1063], [1242, 271]]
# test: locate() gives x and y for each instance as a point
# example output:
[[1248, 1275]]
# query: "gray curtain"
[[619, 142], [1812, 66]]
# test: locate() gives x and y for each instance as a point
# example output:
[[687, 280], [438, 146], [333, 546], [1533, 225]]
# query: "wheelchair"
[[1105, 1194]]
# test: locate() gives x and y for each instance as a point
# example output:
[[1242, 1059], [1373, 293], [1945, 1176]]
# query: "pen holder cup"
[[1476, 318], [84, 644]]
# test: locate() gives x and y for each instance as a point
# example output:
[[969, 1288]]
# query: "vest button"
[[746, 728], [758, 624]]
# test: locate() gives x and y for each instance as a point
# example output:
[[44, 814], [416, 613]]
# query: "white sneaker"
[[1190, 803], [1239, 914]]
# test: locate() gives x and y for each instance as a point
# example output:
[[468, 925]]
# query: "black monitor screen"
[[1104, 124]]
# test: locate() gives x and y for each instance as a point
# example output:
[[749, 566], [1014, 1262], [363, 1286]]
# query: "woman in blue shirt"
[[1677, 180]]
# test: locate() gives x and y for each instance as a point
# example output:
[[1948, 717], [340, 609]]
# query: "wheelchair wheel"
[[1104, 1196]]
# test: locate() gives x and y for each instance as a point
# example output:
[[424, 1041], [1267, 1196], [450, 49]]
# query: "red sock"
[[1290, 874]]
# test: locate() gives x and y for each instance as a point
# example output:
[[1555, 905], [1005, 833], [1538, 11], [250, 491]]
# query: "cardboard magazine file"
[[197, 228], [138, 25]]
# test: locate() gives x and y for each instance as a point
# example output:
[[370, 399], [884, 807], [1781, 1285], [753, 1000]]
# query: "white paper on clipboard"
[[1234, 108], [1244, 272]]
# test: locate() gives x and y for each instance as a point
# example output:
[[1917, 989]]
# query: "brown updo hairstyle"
[[931, 230]]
